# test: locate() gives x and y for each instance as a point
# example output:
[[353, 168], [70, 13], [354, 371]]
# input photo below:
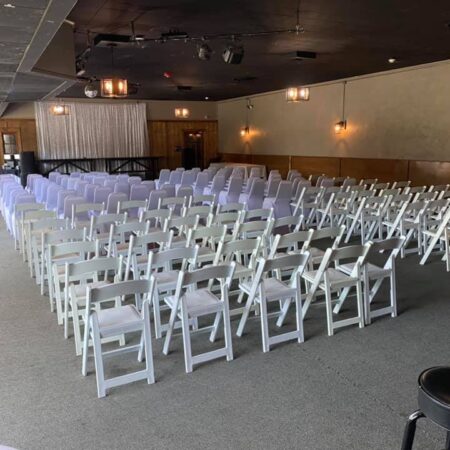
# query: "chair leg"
[[147, 335], [157, 315], [186, 339], [98, 358], [447, 441], [410, 430], [244, 317], [169, 332], [360, 301], [227, 330], [264, 326], [85, 349], [329, 307], [299, 318], [213, 334]]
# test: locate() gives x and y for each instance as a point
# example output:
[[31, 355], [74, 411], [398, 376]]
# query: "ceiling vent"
[[245, 79], [300, 55], [184, 88]]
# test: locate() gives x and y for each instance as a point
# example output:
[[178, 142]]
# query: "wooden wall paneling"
[[170, 135], [429, 172], [312, 165], [28, 135], [273, 162], [210, 141], [157, 137], [386, 170], [236, 157]]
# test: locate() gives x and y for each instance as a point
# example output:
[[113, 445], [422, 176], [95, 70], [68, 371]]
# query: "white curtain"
[[95, 130]]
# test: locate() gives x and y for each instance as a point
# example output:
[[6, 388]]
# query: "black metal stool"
[[434, 403]]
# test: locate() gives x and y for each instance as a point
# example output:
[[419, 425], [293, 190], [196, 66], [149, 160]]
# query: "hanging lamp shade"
[[114, 87]]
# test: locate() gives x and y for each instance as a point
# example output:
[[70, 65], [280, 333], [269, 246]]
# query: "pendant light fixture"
[[113, 87], [342, 124], [59, 109], [297, 94], [182, 113]]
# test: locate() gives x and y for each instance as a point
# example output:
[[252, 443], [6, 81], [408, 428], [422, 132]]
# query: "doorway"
[[193, 144]]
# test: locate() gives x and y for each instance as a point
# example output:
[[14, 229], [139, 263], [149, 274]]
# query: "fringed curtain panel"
[[96, 130]]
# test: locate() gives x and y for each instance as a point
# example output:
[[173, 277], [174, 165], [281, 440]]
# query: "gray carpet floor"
[[350, 391]]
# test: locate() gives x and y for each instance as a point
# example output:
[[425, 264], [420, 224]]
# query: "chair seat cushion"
[[373, 270], [336, 277], [273, 288], [114, 320], [199, 302]]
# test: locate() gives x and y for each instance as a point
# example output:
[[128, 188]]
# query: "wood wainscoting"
[[26, 132], [386, 170], [166, 135]]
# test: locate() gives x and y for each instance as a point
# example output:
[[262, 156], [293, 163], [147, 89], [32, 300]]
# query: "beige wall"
[[156, 109], [403, 114]]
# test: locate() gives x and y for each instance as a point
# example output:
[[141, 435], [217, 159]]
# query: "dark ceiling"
[[351, 37], [26, 28]]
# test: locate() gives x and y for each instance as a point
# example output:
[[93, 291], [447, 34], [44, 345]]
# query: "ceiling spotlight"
[[233, 54], [206, 98], [204, 52], [392, 60], [90, 90]]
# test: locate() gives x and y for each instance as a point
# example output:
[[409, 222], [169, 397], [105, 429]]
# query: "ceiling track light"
[[233, 54], [204, 52], [297, 94]]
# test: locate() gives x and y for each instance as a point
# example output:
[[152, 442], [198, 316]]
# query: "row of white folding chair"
[[184, 305]]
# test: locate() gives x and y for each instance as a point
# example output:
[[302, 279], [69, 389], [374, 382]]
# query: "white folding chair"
[[94, 273], [138, 249], [373, 271], [165, 266], [115, 321], [265, 289], [191, 302], [51, 237], [328, 279], [57, 255]]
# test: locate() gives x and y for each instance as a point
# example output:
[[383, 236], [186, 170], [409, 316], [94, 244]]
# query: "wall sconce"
[[245, 131], [59, 110], [114, 87], [297, 94], [340, 126], [181, 113]]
